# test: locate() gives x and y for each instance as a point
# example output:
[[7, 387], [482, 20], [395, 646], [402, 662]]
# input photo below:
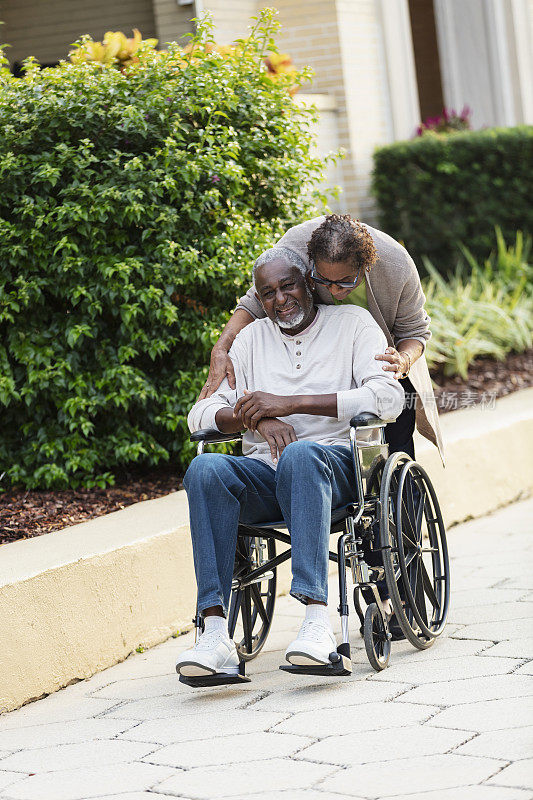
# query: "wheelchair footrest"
[[217, 679], [341, 667]]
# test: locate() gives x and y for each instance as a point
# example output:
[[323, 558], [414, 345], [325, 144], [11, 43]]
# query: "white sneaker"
[[314, 643], [213, 652]]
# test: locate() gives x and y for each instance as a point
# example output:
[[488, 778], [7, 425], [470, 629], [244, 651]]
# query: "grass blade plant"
[[480, 310]]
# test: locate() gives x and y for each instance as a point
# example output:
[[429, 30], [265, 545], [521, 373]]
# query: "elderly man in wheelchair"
[[307, 384]]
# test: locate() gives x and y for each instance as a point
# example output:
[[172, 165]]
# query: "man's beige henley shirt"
[[334, 355]]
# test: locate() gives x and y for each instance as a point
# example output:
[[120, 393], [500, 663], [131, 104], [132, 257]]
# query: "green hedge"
[[436, 191], [133, 204]]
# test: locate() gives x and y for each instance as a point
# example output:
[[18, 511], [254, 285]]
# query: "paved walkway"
[[453, 722]]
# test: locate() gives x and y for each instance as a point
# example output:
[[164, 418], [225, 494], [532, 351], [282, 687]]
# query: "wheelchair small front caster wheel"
[[377, 644]]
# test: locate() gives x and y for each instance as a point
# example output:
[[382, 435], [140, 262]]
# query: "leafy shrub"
[[441, 189], [480, 310], [133, 204]]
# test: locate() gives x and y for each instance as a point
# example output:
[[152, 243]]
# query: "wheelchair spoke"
[[419, 517], [258, 601], [234, 611], [428, 588], [420, 596], [247, 619]]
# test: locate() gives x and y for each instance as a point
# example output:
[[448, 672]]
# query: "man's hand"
[[221, 367], [277, 434], [254, 406], [397, 362]]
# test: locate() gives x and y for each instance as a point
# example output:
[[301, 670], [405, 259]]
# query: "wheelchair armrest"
[[368, 420], [212, 435]]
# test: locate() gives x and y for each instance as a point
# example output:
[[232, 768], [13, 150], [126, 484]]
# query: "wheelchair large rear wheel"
[[415, 552], [252, 604]]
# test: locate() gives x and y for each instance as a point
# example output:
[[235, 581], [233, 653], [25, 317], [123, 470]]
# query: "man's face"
[[285, 295], [342, 271]]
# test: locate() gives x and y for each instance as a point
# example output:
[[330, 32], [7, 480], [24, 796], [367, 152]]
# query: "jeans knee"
[[204, 469], [299, 457]]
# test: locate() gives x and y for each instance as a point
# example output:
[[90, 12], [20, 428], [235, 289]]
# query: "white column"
[[401, 72], [521, 33], [479, 51]]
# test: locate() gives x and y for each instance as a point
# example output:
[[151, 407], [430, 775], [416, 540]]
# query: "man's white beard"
[[298, 319], [294, 322]]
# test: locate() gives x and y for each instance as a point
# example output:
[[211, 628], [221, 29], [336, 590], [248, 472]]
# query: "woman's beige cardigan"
[[395, 300]]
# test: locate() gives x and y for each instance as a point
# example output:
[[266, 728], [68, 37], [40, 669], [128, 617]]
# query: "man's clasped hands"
[[258, 411]]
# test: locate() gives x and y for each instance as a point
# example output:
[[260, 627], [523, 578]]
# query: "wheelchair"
[[392, 535]]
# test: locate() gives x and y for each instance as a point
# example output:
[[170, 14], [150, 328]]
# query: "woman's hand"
[[277, 434], [253, 406], [221, 367], [397, 362]]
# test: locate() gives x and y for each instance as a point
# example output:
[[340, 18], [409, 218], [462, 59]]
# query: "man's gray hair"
[[283, 254]]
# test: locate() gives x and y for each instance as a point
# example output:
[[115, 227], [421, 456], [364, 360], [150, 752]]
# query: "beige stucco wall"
[[47, 29]]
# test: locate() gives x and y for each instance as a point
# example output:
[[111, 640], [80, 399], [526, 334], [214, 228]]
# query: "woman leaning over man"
[[354, 263]]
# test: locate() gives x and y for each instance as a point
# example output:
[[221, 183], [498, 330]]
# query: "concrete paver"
[[451, 722], [351, 719], [83, 754], [412, 774], [515, 648], [480, 792], [191, 729], [240, 780], [519, 774], [79, 784], [229, 749], [447, 669], [511, 745], [470, 690], [493, 715], [389, 744], [82, 730]]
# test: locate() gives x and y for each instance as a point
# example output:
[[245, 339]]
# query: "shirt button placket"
[[298, 353]]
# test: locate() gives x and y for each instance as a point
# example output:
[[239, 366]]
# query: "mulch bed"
[[24, 514]]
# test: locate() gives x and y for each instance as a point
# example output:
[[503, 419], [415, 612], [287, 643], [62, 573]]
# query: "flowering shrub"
[[117, 50], [447, 122], [133, 204], [114, 49]]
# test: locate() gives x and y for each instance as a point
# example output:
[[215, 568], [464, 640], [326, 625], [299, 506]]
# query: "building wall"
[[366, 90], [46, 30], [171, 21], [310, 34], [232, 18]]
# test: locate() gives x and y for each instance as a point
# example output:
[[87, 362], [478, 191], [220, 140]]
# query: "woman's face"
[[343, 271]]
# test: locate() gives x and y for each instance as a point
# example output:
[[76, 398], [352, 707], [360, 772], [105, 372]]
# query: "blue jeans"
[[310, 481]]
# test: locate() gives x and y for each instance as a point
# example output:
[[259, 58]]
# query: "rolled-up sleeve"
[[202, 414], [377, 391], [412, 320]]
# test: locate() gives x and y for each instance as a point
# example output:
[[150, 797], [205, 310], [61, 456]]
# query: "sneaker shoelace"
[[210, 639], [313, 631]]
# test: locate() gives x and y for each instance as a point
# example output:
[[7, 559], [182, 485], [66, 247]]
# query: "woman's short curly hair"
[[341, 238]]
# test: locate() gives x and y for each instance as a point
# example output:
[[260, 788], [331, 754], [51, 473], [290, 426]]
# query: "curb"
[[76, 601]]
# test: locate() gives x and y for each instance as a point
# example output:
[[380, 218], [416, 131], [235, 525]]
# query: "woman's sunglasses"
[[340, 284]]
